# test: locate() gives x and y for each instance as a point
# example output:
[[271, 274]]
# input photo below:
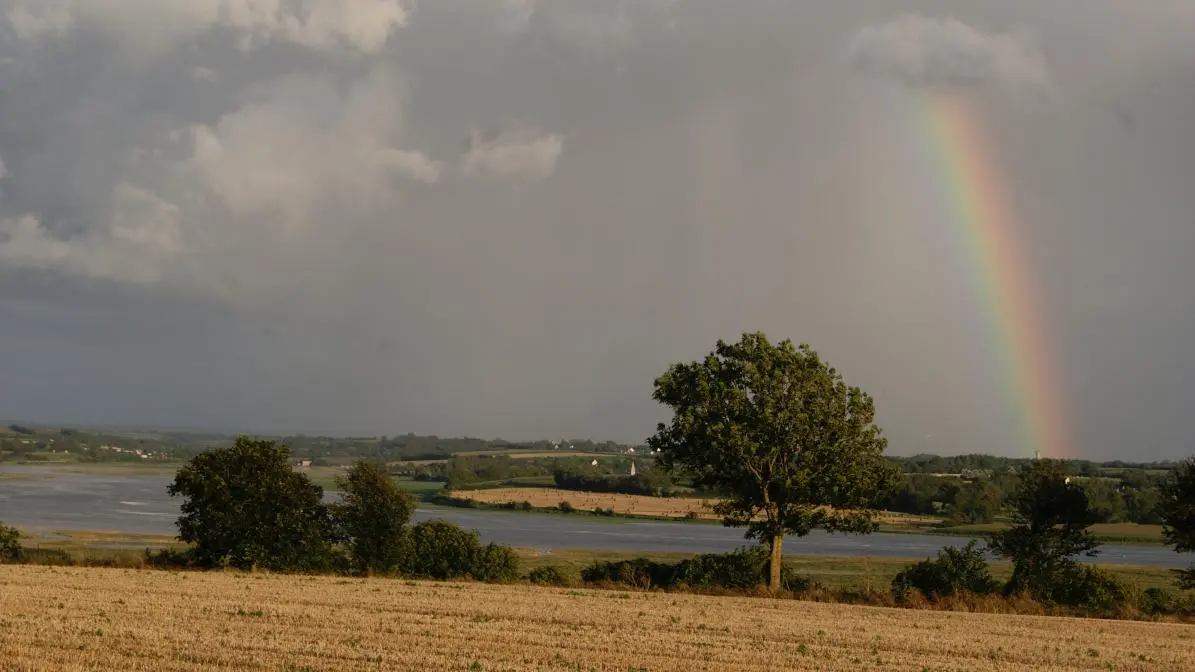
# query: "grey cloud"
[[945, 52], [155, 26], [528, 156], [279, 215]]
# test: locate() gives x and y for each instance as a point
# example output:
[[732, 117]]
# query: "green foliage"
[[1105, 499], [1088, 587], [1143, 505], [1155, 601], [639, 572], [740, 569], [1158, 601], [167, 558], [1178, 515], [441, 550], [954, 571], [1050, 520], [777, 430], [10, 544], [494, 563], [650, 482], [244, 507], [371, 518], [977, 502], [550, 575]]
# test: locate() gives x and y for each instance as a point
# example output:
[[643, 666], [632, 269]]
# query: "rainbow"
[[987, 230]]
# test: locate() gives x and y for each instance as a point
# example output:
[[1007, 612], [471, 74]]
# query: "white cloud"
[[944, 52], [304, 139], [521, 155]]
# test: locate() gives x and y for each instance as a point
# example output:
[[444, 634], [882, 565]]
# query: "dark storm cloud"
[[505, 218]]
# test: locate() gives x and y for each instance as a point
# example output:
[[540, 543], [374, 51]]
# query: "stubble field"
[[75, 619]]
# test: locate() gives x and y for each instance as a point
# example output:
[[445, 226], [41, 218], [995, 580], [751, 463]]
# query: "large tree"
[[245, 506], [1051, 515], [776, 430], [1178, 515], [371, 517]]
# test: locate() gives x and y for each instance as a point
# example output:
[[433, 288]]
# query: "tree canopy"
[[245, 506], [1178, 515], [371, 517], [1051, 515], [776, 430]]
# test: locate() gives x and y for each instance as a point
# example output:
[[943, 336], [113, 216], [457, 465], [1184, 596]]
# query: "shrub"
[[638, 572], [440, 550], [495, 564], [550, 575], [167, 558], [1088, 587], [741, 569], [955, 570], [1155, 601], [10, 544]]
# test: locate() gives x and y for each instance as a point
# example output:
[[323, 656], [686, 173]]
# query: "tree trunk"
[[774, 563]]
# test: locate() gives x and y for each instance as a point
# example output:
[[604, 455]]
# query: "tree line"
[[246, 507]]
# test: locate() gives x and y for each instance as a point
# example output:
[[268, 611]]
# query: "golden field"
[[104, 619], [638, 505]]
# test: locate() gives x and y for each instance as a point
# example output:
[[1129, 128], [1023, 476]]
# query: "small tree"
[[10, 544], [246, 507], [372, 517], [1178, 515], [441, 550], [1050, 520], [776, 430], [954, 571]]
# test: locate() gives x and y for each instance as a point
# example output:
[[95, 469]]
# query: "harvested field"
[[104, 619], [642, 505], [639, 505]]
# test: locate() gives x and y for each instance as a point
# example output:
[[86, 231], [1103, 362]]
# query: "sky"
[[505, 218]]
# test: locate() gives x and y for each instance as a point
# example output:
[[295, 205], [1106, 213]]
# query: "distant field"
[[527, 454], [637, 505], [675, 507], [1107, 532], [419, 487], [92, 619]]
